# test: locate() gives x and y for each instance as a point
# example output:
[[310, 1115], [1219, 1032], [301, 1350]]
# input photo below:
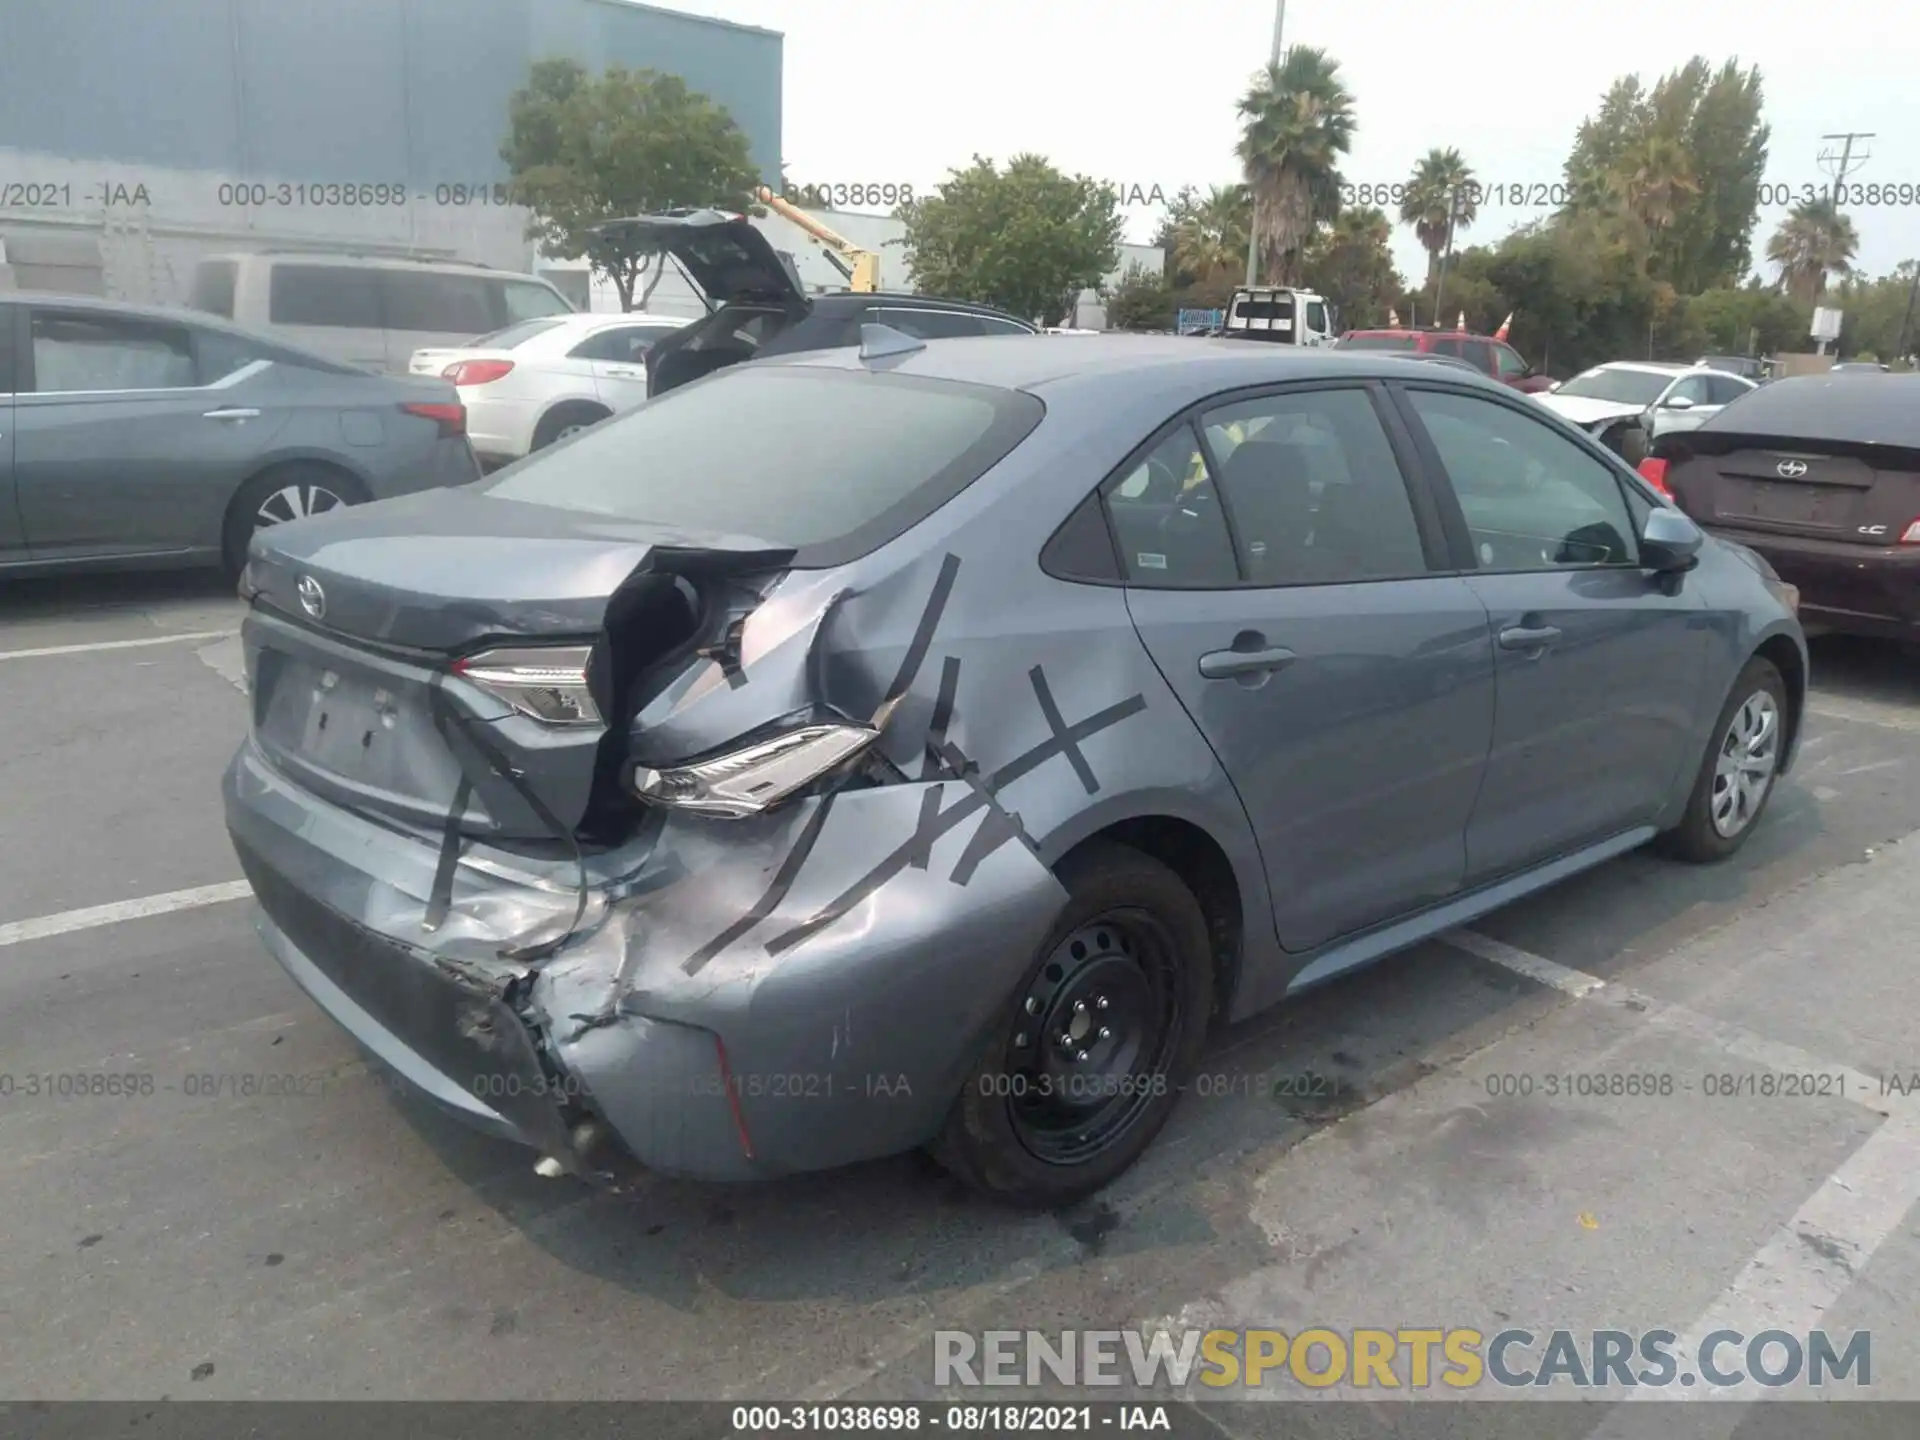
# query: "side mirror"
[[1670, 542], [1676, 402]]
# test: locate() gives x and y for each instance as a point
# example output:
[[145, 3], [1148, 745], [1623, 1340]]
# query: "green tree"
[[583, 150], [1210, 234], [1814, 242], [1298, 124], [1028, 238], [1442, 189], [1680, 163], [1351, 263], [1142, 300]]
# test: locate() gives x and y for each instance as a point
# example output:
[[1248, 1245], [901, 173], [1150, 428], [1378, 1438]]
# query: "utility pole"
[[1906, 322], [1253, 236], [1844, 166], [1440, 283]]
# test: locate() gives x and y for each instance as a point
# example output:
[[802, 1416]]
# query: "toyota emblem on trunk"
[[1790, 469], [313, 599]]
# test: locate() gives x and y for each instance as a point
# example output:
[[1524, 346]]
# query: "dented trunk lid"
[[358, 618]]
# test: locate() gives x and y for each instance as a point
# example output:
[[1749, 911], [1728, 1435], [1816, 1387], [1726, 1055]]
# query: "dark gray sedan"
[[922, 745], [135, 437]]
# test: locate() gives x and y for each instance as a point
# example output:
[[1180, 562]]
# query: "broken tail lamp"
[[747, 781], [547, 683]]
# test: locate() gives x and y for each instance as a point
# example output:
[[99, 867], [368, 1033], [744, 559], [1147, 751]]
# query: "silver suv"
[[366, 310]]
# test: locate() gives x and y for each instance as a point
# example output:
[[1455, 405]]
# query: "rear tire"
[[1738, 773], [564, 420], [1087, 1060], [286, 492]]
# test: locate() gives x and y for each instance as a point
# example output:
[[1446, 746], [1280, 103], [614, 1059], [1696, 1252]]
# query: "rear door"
[[1598, 665], [1286, 587], [120, 448], [616, 361]]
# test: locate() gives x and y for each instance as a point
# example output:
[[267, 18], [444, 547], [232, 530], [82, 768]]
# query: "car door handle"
[[234, 412], [1528, 637], [1226, 664], [623, 372]]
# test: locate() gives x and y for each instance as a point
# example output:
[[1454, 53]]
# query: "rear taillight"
[[1653, 470], [1911, 535], [450, 417], [548, 683], [476, 372]]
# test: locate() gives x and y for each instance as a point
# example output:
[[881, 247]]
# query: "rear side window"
[[989, 325], [834, 463], [431, 301], [338, 296], [621, 344], [213, 287], [1315, 493]]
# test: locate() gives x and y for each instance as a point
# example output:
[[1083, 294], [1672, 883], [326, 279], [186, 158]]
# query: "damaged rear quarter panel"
[[852, 951]]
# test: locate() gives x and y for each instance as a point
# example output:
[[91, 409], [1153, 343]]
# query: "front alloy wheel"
[[1744, 767]]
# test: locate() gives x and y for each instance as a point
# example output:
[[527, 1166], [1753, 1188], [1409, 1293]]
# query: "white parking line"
[[15, 932], [94, 645], [1864, 712], [1843, 1082]]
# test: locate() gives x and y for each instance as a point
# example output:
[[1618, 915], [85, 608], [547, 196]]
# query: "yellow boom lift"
[[860, 267]]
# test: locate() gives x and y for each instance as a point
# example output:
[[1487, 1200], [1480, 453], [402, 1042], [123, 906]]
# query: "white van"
[[368, 310]]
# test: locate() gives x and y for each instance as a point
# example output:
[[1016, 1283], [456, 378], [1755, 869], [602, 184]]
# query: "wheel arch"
[[1192, 852], [1791, 661]]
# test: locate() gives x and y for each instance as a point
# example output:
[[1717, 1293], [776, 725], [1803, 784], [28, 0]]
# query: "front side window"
[[930, 324], [337, 296], [1313, 489], [832, 463], [1512, 367], [1532, 499], [213, 285], [75, 352], [1479, 354], [1165, 513], [1724, 389], [1693, 389]]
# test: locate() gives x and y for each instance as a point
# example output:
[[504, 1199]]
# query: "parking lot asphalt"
[[340, 1242]]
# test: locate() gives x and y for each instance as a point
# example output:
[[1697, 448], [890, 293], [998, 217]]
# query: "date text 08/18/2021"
[[1555, 194]]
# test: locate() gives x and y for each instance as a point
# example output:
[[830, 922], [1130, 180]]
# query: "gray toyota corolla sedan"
[[920, 745]]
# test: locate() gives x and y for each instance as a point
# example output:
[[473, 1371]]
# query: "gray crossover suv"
[[919, 745]]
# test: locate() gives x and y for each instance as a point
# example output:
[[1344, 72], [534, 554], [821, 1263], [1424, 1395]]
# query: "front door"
[[1282, 583], [1598, 659], [118, 448]]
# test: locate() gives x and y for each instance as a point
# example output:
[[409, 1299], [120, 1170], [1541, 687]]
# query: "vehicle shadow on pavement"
[[1867, 669], [63, 596]]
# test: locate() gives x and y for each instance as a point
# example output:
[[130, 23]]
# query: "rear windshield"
[[1379, 342], [514, 335], [832, 462], [1622, 387]]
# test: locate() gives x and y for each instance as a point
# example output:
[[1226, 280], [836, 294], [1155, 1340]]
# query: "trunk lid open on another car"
[[722, 253]]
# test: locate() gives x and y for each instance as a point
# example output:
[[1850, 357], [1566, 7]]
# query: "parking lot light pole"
[[1253, 235]]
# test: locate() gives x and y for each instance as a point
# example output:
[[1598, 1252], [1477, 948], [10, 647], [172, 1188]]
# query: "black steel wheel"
[[1091, 1053]]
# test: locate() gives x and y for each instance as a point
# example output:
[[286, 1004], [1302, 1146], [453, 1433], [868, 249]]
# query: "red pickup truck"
[[1483, 352]]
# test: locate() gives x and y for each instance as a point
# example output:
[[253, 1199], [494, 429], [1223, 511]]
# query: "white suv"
[[366, 310]]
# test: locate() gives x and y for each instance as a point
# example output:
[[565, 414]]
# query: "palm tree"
[[1657, 181], [1813, 242], [1299, 122], [1442, 185], [1214, 236]]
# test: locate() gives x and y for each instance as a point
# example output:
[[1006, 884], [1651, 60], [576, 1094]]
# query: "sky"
[[1143, 96]]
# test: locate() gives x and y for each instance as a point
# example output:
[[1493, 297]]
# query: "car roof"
[[1171, 362], [383, 262]]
